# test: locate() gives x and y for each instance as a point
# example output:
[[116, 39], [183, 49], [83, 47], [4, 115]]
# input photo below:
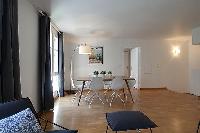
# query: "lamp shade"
[[84, 49]]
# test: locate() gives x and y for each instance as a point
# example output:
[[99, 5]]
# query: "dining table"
[[110, 78]]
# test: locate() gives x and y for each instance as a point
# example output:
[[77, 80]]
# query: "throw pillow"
[[63, 131], [22, 122]]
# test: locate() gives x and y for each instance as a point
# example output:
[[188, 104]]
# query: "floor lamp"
[[83, 49]]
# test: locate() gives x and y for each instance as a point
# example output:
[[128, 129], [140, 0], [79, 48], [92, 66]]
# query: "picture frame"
[[96, 55]]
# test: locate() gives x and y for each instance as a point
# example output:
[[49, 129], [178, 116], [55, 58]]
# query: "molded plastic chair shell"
[[131, 83], [97, 83], [117, 83]]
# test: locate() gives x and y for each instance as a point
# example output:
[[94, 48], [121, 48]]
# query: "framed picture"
[[96, 55]]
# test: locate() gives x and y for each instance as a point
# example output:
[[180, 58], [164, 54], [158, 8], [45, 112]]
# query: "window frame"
[[53, 35]]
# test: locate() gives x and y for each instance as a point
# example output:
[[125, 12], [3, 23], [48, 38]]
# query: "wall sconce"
[[176, 51]]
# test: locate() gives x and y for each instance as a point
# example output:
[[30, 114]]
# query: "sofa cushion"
[[22, 122]]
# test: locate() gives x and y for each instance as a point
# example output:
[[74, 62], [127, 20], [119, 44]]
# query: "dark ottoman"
[[128, 120]]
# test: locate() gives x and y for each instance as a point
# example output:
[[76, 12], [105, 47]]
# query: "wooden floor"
[[172, 112]]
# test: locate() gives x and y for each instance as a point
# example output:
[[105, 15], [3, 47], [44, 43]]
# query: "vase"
[[95, 75]]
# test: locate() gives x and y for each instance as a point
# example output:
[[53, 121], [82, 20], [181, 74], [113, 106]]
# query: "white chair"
[[78, 87], [96, 85], [117, 84], [131, 83], [107, 85]]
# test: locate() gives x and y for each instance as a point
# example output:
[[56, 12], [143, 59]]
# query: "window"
[[54, 60], [54, 51]]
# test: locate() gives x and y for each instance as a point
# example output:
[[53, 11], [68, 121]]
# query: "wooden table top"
[[104, 79]]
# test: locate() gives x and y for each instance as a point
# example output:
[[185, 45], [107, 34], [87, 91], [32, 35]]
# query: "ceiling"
[[139, 19]]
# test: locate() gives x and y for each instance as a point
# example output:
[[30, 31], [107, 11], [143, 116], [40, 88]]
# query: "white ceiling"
[[139, 19]]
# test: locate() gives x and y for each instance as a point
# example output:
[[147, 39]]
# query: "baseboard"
[[153, 88], [70, 91]]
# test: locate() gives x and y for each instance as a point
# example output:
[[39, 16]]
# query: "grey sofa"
[[10, 108]]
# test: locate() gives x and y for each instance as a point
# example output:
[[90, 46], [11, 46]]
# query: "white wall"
[[158, 66], [68, 50], [28, 43], [194, 68]]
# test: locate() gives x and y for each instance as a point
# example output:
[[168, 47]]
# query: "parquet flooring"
[[172, 112]]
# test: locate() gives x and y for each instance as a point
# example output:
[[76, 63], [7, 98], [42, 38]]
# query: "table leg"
[[129, 90], [79, 100]]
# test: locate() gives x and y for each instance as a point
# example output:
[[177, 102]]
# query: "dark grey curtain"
[[10, 87], [61, 64], [1, 15], [47, 101]]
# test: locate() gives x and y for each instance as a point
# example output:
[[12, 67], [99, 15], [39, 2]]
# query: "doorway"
[[135, 66], [127, 64]]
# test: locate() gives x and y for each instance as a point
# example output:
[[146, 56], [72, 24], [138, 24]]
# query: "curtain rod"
[[43, 14], [55, 27], [51, 22]]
